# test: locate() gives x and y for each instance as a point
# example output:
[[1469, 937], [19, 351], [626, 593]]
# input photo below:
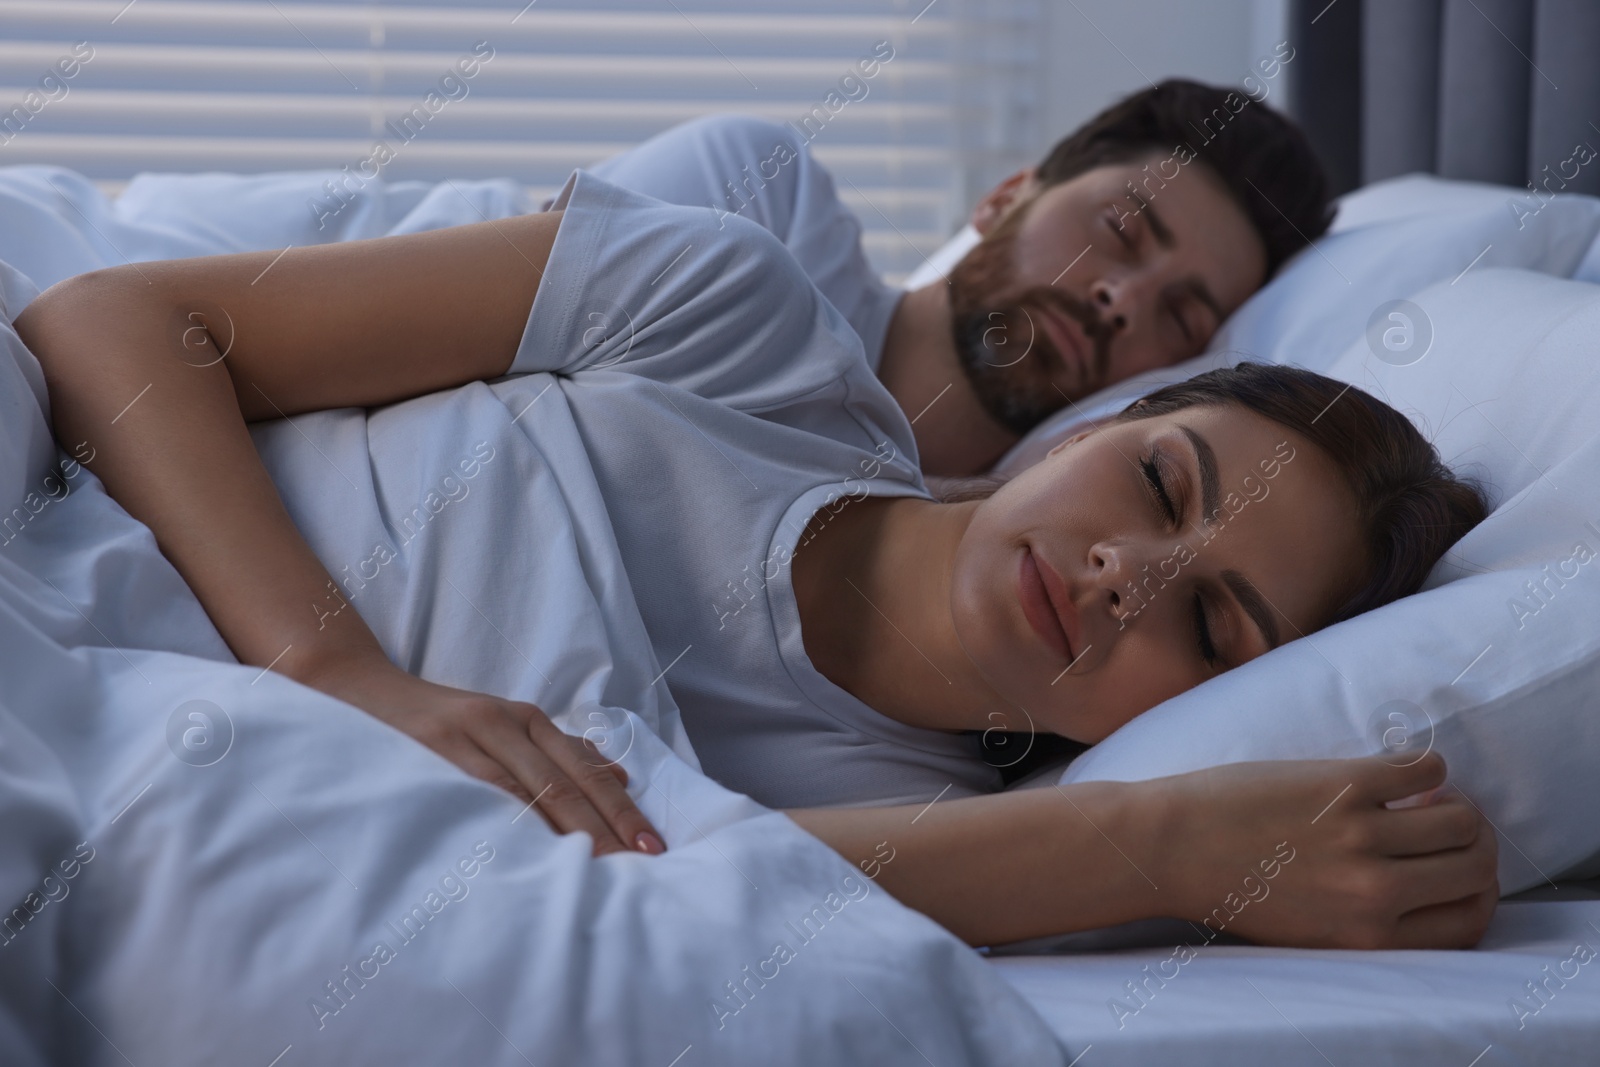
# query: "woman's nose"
[[1113, 566]]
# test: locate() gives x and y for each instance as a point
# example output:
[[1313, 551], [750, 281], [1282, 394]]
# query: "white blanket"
[[213, 864], [55, 223]]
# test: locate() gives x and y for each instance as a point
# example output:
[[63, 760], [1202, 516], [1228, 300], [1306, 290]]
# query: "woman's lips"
[[1066, 610], [1038, 608]]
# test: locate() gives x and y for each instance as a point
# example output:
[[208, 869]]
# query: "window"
[[247, 87]]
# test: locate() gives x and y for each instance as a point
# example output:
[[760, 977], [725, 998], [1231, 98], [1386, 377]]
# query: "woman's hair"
[[1410, 506]]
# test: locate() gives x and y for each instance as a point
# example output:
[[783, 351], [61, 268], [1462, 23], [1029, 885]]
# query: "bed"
[[314, 909]]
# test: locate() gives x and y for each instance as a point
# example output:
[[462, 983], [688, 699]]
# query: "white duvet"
[[195, 914], [213, 864]]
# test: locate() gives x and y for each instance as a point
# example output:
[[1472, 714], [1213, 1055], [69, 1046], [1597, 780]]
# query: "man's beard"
[[1001, 344]]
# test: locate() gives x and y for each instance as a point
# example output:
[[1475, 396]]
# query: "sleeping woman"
[[836, 640]]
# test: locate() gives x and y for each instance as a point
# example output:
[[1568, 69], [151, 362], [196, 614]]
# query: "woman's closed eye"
[[1170, 510], [1202, 632], [1156, 478]]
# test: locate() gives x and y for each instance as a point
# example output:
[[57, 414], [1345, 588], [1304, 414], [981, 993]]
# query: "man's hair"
[[1264, 160]]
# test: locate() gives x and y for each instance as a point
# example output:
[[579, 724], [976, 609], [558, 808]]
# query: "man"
[[1122, 251]]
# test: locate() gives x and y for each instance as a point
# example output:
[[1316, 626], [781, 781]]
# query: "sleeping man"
[[1122, 251]]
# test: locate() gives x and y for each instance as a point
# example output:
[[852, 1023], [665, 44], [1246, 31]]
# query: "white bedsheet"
[[1240, 1004]]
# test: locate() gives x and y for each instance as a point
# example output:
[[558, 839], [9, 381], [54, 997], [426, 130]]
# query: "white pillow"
[[1403, 234], [1504, 683], [936, 266]]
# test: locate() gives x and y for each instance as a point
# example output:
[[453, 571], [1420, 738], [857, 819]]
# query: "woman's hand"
[[508, 743], [1307, 853]]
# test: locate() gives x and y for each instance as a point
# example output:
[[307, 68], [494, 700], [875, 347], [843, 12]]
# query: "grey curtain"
[[1501, 91]]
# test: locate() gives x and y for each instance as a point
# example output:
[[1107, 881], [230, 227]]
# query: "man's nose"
[[1110, 299]]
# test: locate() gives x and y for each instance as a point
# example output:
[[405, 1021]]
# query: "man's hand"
[[508, 743], [1308, 853]]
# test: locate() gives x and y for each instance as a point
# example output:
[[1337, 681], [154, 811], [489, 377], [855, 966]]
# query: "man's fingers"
[[1449, 823]]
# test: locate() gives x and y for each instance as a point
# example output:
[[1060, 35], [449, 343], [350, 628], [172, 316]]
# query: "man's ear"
[[999, 200]]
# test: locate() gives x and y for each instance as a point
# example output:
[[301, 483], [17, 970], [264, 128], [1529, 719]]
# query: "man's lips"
[[1049, 611], [1069, 340]]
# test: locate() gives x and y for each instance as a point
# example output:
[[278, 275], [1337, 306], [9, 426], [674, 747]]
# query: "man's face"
[[1082, 284]]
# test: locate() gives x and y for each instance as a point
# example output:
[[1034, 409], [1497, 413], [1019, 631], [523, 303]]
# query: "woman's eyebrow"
[[1254, 605], [1249, 597], [1210, 481]]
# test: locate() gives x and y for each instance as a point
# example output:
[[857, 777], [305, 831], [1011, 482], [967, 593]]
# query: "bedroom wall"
[[1103, 49]]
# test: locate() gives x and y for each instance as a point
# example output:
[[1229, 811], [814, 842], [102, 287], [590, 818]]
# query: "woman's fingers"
[[1449, 822], [1365, 875], [591, 754], [1440, 877], [510, 744], [1384, 781], [1455, 924], [600, 787], [564, 802], [472, 759]]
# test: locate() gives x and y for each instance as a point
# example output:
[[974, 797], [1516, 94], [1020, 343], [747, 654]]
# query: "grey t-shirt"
[[722, 401], [624, 504]]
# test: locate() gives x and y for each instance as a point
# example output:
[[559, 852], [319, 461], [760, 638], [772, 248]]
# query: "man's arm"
[[1298, 852]]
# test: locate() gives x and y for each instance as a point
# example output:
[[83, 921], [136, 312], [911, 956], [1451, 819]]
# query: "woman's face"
[[1109, 527]]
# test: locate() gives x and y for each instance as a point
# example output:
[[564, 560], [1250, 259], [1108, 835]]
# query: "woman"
[[722, 413]]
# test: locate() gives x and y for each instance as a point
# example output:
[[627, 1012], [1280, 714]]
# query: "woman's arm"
[[1295, 852], [158, 367]]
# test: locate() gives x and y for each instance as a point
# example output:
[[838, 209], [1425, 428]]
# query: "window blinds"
[[915, 107]]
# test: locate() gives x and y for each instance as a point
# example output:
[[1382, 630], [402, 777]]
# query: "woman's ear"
[[999, 200], [1074, 439]]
